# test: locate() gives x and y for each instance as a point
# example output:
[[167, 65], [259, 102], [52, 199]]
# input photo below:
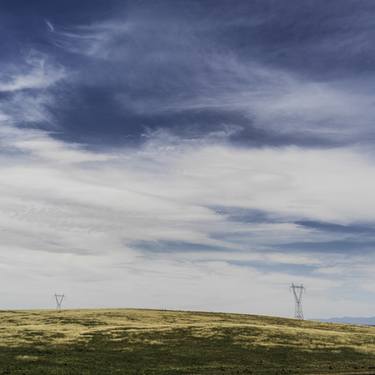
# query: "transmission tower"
[[298, 291], [59, 300]]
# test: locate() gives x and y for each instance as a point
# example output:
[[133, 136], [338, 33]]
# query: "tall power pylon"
[[59, 299], [298, 291]]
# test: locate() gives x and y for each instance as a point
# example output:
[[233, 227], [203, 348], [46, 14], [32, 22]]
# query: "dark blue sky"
[[180, 66]]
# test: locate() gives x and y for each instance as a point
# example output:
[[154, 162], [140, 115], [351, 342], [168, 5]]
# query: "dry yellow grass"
[[158, 333], [19, 327]]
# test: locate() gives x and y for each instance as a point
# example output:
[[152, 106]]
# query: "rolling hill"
[[129, 341]]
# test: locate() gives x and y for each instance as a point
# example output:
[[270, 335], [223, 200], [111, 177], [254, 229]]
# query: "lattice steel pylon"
[[59, 300], [298, 291]]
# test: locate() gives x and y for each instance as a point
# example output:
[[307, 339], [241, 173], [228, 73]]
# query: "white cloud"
[[73, 216], [38, 73], [44, 147], [49, 25], [94, 40], [27, 96], [279, 101]]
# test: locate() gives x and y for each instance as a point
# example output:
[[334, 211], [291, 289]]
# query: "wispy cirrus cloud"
[[35, 72], [180, 78]]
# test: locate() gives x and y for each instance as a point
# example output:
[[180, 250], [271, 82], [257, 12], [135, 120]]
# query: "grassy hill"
[[122, 341]]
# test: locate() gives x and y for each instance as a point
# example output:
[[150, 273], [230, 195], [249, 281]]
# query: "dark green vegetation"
[[165, 342]]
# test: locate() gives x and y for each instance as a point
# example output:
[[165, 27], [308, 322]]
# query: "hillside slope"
[[122, 341]]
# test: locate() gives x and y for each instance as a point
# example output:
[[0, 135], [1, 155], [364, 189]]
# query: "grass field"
[[122, 341]]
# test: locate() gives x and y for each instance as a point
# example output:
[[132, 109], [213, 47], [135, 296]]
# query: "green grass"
[[123, 341]]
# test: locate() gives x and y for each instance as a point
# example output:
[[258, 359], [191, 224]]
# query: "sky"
[[196, 155]]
